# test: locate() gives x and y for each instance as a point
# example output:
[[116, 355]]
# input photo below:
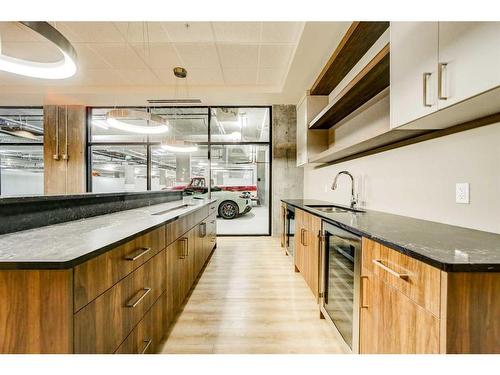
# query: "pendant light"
[[64, 68], [116, 118], [171, 143]]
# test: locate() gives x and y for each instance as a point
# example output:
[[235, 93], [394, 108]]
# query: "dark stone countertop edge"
[[447, 267], [68, 264]]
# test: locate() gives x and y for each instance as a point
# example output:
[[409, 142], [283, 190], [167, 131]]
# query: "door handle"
[[379, 263], [138, 253], [184, 246], [442, 75], [426, 77], [138, 298], [304, 237]]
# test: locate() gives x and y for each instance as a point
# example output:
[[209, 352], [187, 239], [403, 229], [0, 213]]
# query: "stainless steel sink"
[[333, 209]]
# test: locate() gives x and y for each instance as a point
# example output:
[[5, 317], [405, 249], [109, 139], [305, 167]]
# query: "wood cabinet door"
[[299, 235], [175, 277], [391, 323], [312, 253], [471, 54], [414, 59]]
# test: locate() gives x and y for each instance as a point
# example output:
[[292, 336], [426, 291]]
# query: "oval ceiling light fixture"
[[117, 118], [179, 146], [64, 68]]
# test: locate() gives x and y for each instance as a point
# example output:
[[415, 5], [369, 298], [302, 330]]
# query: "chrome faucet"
[[354, 199]]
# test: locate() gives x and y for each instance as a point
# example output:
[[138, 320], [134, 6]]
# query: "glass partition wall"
[[21, 151], [231, 160]]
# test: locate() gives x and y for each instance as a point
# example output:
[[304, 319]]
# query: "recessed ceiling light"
[[64, 68]]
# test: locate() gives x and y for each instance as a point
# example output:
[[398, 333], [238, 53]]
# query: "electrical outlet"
[[462, 192]]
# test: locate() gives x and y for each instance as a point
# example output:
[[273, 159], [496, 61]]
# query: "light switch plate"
[[462, 192]]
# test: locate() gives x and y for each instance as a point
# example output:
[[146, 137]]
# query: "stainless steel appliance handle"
[[426, 77], [138, 298], [378, 263], [148, 344], [363, 289], [138, 253]]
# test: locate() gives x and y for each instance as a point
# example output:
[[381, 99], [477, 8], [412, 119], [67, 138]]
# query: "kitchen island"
[[421, 287], [105, 284]]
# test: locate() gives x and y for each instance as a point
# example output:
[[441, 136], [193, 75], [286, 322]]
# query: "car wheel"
[[228, 210]]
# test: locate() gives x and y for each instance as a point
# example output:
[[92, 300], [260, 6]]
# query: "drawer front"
[[177, 228], [415, 279], [102, 325], [97, 275], [147, 336]]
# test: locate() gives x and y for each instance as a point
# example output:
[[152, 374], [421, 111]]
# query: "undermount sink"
[[333, 209]]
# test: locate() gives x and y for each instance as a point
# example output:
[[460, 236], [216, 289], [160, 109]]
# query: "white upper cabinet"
[[443, 73], [469, 59], [414, 56]]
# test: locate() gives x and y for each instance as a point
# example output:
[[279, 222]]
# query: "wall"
[[287, 179], [419, 180]]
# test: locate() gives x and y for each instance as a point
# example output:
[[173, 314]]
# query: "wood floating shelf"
[[372, 80], [356, 42]]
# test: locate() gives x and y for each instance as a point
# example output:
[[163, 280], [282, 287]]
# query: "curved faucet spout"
[[354, 200]]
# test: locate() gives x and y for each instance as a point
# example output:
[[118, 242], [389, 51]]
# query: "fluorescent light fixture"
[[64, 68], [100, 124]]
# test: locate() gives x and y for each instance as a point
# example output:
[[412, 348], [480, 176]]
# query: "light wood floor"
[[249, 300]]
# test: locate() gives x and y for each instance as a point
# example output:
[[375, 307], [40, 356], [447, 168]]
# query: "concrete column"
[[262, 176], [183, 170], [287, 177]]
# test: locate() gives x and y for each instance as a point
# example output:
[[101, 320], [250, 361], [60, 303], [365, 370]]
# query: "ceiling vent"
[[174, 101]]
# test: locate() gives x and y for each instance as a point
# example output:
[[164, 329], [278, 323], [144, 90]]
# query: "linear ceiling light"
[[116, 119], [64, 68]]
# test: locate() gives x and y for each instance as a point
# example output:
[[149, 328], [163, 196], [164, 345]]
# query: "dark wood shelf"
[[372, 80], [356, 42]]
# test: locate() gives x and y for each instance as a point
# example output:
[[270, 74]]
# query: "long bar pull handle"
[[379, 263], [138, 253], [426, 77], [305, 237], [364, 305], [148, 344], [185, 249], [56, 155], [138, 298], [442, 95], [65, 155]]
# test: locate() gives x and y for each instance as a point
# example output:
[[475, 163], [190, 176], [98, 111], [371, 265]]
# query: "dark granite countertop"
[[65, 245], [448, 247]]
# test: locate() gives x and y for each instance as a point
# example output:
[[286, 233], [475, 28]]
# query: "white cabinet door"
[[302, 126], [471, 54], [414, 58]]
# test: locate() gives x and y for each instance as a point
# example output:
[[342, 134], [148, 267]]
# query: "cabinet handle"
[[379, 263], [185, 247], [426, 77], [138, 253], [56, 155], [138, 298], [304, 237], [148, 344], [442, 81], [203, 230], [363, 304]]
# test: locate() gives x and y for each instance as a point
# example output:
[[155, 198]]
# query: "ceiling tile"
[[90, 32], [196, 32], [205, 77], [139, 77], [275, 56], [165, 76], [270, 76], [36, 51], [88, 58], [237, 32], [119, 55], [243, 76], [158, 55], [16, 32], [281, 32], [198, 56], [238, 55], [142, 32], [100, 77]]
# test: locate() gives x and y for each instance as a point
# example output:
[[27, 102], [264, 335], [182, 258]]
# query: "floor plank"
[[249, 300]]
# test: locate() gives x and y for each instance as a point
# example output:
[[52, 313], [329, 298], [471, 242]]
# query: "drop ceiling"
[[124, 63]]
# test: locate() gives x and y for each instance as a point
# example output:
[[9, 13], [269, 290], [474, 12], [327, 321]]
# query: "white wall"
[[419, 180]]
